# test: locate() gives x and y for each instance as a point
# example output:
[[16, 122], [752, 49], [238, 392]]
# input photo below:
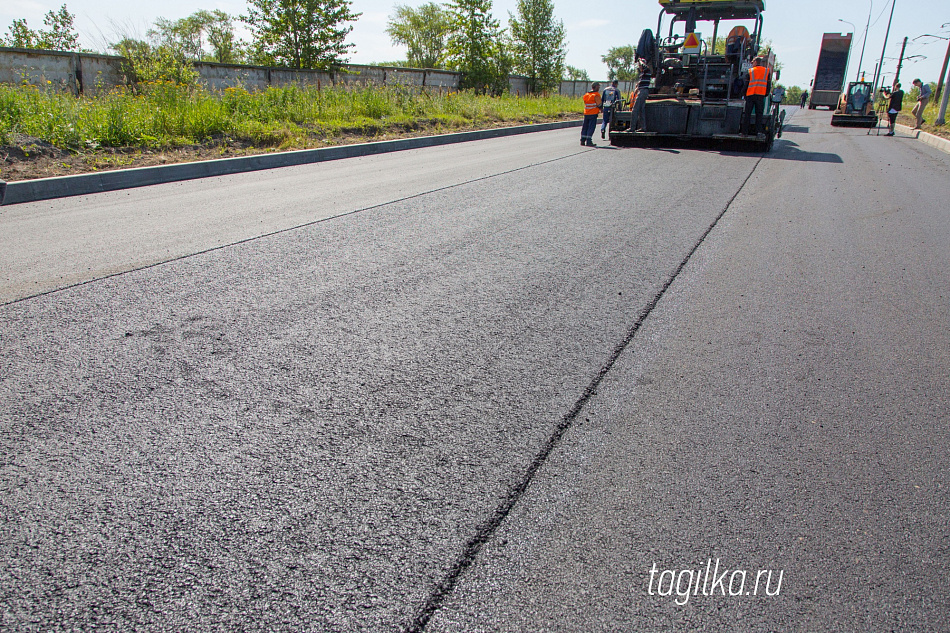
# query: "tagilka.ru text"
[[713, 581]]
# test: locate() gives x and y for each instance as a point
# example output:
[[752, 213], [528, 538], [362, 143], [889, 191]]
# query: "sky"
[[795, 28]]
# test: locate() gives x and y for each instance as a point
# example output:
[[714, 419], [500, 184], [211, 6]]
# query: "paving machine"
[[698, 90], [856, 106]]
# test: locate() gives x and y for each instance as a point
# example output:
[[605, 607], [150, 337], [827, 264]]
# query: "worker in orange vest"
[[758, 88], [592, 101]]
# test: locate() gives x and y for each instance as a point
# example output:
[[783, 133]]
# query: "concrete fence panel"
[[222, 76], [101, 73], [82, 73], [361, 75], [444, 79], [518, 85], [578, 88], [41, 69], [406, 77]]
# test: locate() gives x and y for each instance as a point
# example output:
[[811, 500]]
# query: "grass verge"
[[166, 116], [930, 115]]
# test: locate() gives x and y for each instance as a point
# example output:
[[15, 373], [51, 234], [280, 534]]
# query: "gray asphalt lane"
[[303, 431], [784, 409], [57, 243]]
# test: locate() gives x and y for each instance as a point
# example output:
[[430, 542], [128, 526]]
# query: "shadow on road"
[[796, 129], [788, 150], [782, 149]]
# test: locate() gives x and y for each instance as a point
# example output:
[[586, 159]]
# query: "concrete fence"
[[91, 73], [72, 72], [578, 88]]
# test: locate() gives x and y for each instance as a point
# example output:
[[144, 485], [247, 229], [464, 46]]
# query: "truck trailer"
[[829, 75]]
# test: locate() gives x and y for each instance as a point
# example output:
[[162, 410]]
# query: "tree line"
[[459, 35], [462, 35]]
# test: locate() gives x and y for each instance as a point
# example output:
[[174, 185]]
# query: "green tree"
[[620, 62], [185, 38], [20, 35], [60, 36], [301, 33], [538, 44], [146, 62], [424, 31], [793, 95], [226, 48], [720, 45], [576, 74], [477, 48], [765, 50]]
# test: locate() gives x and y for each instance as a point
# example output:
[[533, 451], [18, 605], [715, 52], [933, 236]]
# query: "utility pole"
[[942, 116], [900, 62], [861, 61], [943, 72], [880, 64]]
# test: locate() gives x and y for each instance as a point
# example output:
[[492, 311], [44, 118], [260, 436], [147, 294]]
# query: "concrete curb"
[[925, 137], [63, 186]]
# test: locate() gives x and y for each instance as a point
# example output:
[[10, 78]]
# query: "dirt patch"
[[942, 130], [29, 158]]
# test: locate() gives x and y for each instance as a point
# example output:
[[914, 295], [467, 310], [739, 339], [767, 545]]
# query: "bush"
[[145, 63]]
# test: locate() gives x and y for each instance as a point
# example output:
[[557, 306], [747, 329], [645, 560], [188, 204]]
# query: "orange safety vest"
[[758, 81], [590, 103]]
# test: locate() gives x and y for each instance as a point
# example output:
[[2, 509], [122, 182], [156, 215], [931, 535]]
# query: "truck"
[[828, 83], [697, 93]]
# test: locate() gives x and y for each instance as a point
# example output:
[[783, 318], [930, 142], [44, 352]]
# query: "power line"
[[881, 14]]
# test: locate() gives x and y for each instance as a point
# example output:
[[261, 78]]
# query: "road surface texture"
[[512, 385]]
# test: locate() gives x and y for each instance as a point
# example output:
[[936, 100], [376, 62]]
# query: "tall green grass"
[[168, 115]]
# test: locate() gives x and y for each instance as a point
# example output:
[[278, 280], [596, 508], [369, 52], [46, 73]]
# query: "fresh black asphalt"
[[493, 405]]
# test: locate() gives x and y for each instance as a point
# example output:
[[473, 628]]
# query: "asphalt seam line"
[[487, 529], [288, 229]]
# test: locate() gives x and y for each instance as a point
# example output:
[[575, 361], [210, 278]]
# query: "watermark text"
[[713, 580]]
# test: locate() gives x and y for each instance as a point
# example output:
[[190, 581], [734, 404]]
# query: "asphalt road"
[[493, 399], [52, 244]]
